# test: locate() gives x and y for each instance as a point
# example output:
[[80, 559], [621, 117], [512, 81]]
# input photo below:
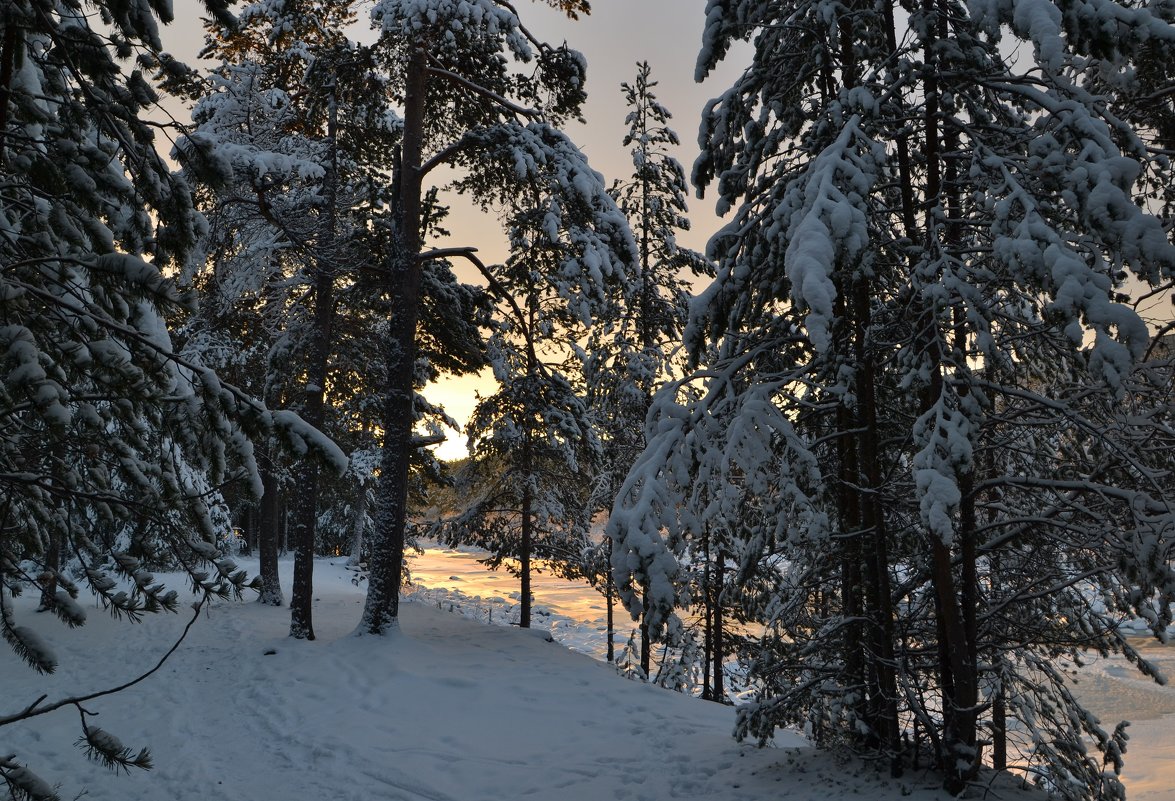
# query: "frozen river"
[[576, 614]]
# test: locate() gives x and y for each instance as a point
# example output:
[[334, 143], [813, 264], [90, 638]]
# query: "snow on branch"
[[825, 221], [561, 200], [305, 439], [452, 18], [731, 461]]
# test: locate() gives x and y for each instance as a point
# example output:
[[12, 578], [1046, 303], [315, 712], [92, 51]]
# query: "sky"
[[613, 38]]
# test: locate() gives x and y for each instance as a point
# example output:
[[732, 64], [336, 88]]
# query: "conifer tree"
[[466, 105], [107, 428], [634, 348], [532, 440], [916, 358], [295, 148]]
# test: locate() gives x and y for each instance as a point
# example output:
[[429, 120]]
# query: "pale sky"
[[617, 34]]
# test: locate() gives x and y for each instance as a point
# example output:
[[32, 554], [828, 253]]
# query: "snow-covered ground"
[[1114, 691], [1110, 687], [447, 709]]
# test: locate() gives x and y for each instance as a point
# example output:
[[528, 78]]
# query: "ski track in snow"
[[445, 709]]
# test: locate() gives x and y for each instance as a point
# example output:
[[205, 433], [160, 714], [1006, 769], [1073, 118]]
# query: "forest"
[[900, 443]]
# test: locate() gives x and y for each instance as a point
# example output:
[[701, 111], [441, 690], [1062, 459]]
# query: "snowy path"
[[444, 710]]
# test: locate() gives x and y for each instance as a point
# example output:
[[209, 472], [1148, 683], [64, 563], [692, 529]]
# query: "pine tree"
[[917, 323], [532, 440], [109, 431], [295, 148], [634, 346], [286, 145], [465, 106]]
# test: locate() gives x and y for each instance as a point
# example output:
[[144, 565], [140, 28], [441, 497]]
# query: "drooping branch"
[[478, 89], [36, 709], [443, 155], [469, 253]]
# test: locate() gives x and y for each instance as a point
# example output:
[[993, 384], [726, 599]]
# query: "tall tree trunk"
[[610, 598], [883, 635], [646, 641], [718, 691], [8, 46], [958, 684], [527, 533], [269, 535], [707, 618], [381, 611], [852, 610], [314, 404], [999, 727]]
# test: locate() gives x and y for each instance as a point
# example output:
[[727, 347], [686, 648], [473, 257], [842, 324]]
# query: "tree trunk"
[[610, 598], [879, 593], [646, 641], [852, 601], [718, 692], [999, 728], [527, 540], [8, 47], [707, 618], [283, 528], [314, 404], [356, 556], [381, 611], [249, 529], [52, 568], [268, 535], [303, 530]]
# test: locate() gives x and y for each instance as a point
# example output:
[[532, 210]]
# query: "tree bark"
[[381, 611], [707, 618], [8, 45], [610, 598], [314, 405], [718, 691], [527, 532], [646, 641], [356, 556], [268, 535], [879, 593]]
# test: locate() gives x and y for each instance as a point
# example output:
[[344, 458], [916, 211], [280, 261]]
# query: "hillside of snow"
[[447, 709]]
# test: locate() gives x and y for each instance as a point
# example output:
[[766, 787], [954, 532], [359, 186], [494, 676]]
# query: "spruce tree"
[[635, 348]]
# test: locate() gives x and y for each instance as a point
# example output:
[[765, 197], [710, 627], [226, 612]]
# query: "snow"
[[1114, 690], [826, 226], [443, 709]]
